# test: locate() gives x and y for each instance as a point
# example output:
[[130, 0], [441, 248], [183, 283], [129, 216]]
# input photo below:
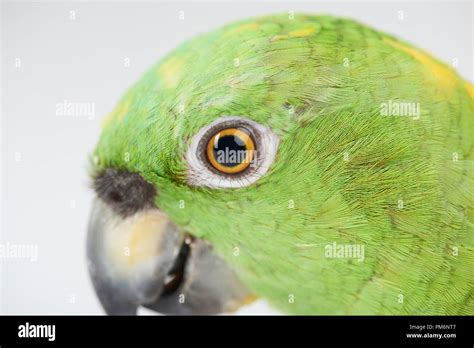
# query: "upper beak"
[[143, 259]]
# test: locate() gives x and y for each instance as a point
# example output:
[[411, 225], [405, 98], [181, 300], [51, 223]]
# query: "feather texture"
[[344, 174]]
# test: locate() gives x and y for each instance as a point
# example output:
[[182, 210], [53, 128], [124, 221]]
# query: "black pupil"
[[229, 151]]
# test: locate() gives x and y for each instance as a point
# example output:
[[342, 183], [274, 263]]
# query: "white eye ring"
[[199, 171]]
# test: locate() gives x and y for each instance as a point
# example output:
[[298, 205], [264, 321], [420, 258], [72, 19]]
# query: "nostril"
[[115, 197], [125, 192]]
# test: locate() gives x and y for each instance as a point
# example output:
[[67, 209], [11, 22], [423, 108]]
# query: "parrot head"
[[220, 176]]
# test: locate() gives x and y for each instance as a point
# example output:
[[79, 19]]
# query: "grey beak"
[[144, 260]]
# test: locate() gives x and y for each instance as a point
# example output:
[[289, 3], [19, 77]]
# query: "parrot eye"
[[230, 152]]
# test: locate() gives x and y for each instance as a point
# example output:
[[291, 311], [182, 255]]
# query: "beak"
[[144, 259]]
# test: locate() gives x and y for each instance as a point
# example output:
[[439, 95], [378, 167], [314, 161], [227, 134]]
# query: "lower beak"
[[146, 260]]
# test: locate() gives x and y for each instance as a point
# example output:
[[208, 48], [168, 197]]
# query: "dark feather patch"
[[125, 192]]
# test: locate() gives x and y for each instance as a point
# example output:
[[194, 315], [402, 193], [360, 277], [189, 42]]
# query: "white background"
[[46, 195]]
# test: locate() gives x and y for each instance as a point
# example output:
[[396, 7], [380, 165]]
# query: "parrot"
[[306, 160]]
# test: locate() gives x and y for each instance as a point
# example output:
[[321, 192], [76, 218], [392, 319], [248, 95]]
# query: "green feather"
[[401, 187]]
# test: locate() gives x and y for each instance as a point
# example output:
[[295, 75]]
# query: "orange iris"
[[230, 150]]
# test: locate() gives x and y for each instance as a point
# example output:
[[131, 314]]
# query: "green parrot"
[[310, 161]]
